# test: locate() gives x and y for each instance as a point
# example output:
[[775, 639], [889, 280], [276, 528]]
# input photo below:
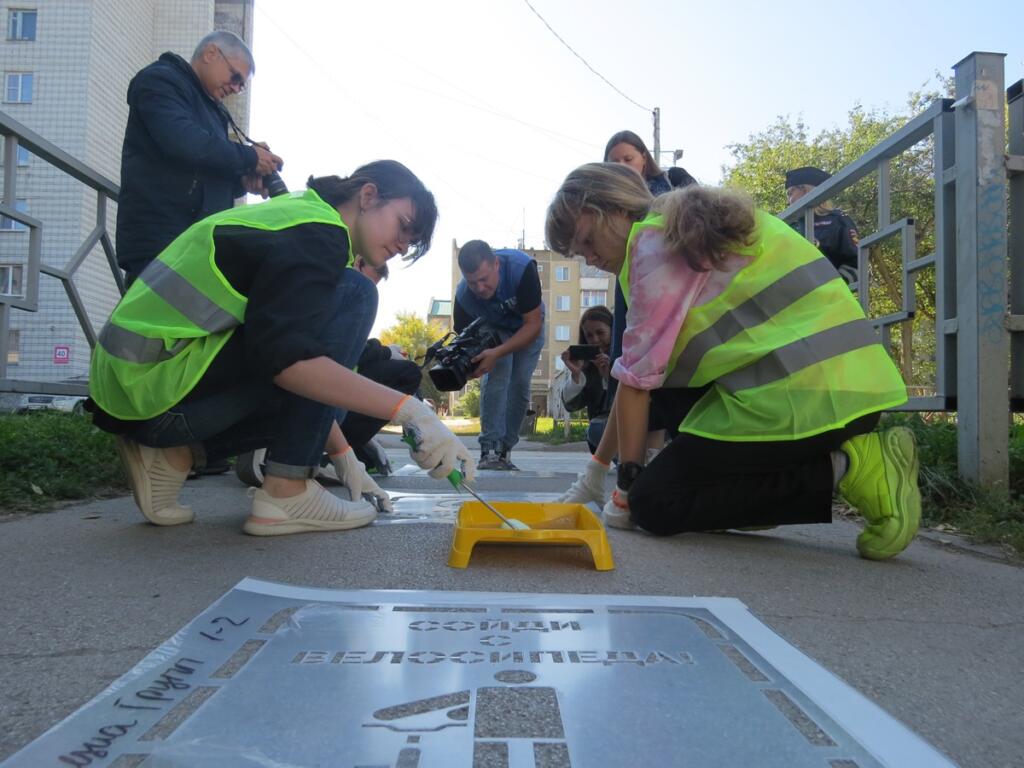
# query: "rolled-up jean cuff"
[[289, 471]]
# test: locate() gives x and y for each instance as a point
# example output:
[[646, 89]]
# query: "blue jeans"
[[505, 396], [595, 431], [254, 413]]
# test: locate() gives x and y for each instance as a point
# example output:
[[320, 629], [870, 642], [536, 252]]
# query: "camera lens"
[[274, 184]]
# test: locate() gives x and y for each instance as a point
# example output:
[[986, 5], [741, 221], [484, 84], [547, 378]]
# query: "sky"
[[485, 104]]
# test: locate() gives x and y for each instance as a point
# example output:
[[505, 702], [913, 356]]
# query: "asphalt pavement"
[[935, 637]]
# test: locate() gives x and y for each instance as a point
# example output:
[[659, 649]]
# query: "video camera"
[[455, 355]]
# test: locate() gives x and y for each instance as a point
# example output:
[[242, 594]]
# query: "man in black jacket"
[[177, 163]]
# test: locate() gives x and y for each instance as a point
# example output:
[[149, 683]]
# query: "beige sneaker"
[[155, 483], [312, 510]]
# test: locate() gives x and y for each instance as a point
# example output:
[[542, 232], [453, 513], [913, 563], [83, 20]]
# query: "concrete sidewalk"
[[935, 636]]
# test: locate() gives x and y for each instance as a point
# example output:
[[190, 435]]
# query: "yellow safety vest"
[[786, 348], [180, 313]]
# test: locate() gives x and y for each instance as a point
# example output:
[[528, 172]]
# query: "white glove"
[[435, 448], [616, 512], [353, 476], [589, 485]]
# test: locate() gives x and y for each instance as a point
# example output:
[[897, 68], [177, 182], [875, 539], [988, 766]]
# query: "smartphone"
[[584, 351]]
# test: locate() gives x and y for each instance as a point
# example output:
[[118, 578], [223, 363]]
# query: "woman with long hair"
[[742, 328], [627, 148]]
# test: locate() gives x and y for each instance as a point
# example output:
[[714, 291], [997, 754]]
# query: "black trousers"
[[697, 484], [402, 375]]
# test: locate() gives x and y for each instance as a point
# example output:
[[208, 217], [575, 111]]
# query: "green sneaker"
[[881, 482]]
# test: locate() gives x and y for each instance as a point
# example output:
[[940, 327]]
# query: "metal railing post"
[[944, 173], [982, 338], [1015, 172]]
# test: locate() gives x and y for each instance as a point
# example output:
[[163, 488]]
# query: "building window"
[[561, 333], [8, 224], [593, 298], [23, 155], [13, 347], [559, 364], [562, 303], [21, 25], [10, 280], [562, 274], [18, 88]]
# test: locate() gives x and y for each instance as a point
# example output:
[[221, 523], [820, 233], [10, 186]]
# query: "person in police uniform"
[[835, 233]]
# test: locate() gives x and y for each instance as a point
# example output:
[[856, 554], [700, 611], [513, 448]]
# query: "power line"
[[587, 65]]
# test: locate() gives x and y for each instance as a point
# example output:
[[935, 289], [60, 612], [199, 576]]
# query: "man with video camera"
[[177, 163], [503, 288]]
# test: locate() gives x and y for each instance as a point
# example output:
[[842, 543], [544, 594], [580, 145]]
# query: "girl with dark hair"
[[749, 333], [587, 386], [243, 334], [627, 148]]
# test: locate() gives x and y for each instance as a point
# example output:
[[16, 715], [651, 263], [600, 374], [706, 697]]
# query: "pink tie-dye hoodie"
[[662, 288]]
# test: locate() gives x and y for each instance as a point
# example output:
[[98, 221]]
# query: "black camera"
[[455, 355], [274, 184]]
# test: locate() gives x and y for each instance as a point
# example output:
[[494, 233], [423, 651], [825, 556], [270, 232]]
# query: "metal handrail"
[[16, 134]]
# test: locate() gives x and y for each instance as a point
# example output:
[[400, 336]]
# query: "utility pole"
[[657, 134]]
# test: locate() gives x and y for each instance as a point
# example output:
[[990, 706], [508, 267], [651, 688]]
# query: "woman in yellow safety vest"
[[243, 333], [751, 336]]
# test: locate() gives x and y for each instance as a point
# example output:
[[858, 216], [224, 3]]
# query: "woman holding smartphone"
[[587, 386]]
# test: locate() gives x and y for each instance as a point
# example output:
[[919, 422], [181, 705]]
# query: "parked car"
[[65, 403]]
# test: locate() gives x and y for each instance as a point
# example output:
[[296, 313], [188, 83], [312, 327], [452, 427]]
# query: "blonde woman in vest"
[[243, 334], [745, 331]]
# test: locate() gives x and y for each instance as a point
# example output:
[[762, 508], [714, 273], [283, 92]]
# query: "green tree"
[[469, 404], [759, 165], [414, 334]]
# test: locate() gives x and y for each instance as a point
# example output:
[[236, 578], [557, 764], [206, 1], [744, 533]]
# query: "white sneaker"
[[616, 514], [155, 483], [312, 510]]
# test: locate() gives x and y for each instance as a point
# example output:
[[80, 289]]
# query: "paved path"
[[935, 636]]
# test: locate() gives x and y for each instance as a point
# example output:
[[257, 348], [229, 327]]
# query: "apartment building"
[[66, 65]]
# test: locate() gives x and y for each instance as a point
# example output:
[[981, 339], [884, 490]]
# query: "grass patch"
[[47, 457], [551, 434], [986, 516]]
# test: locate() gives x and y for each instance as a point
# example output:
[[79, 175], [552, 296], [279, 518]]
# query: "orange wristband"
[[398, 407]]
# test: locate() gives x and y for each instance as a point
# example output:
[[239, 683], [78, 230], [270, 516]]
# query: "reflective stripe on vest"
[[136, 348], [186, 298], [787, 360], [768, 302]]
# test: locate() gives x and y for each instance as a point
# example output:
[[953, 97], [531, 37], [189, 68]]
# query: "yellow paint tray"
[[550, 523]]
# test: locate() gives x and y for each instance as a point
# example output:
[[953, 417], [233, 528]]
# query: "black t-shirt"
[[528, 297], [290, 278]]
